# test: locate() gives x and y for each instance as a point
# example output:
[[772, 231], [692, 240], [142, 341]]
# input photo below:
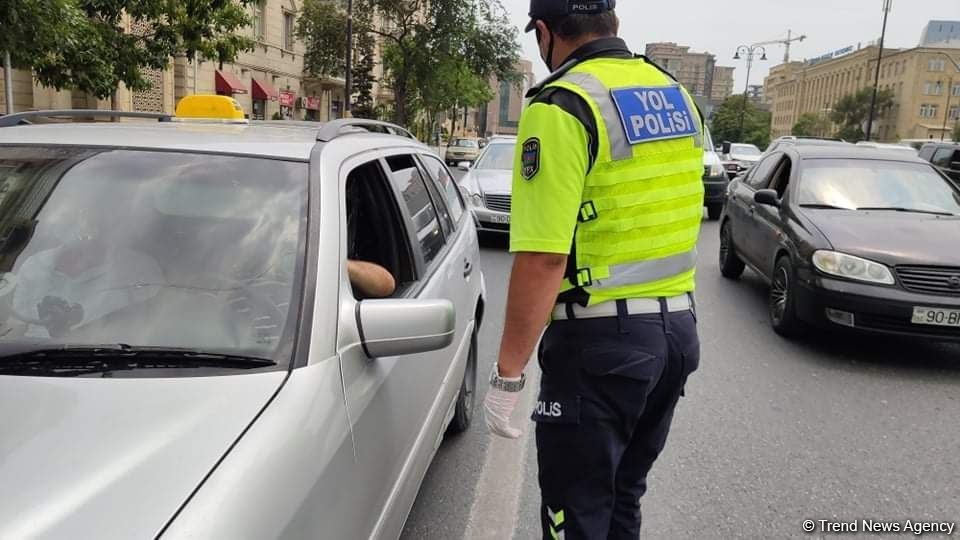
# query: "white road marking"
[[496, 501]]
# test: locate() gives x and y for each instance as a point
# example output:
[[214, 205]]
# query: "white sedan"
[[488, 185]]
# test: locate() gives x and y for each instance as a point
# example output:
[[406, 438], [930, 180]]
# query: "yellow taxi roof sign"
[[210, 107]]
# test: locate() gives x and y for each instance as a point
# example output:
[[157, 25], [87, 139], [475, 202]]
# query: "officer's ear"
[[542, 30]]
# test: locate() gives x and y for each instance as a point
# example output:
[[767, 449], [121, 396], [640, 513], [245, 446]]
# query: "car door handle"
[[467, 268]]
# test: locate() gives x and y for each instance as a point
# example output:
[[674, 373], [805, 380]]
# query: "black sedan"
[[849, 238]]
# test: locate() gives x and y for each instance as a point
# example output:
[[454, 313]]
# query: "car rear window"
[[466, 143], [151, 249]]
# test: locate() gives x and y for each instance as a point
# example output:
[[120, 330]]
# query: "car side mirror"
[[464, 165], [767, 197], [396, 327], [726, 147]]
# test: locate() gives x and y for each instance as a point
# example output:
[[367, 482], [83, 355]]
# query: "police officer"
[[607, 204]]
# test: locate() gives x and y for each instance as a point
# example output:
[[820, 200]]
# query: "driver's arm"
[[372, 280]]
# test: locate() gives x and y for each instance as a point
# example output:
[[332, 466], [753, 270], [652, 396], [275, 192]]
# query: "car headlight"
[[717, 170], [850, 267], [476, 199]]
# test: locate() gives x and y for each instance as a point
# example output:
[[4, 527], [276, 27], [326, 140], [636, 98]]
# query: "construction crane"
[[786, 42]]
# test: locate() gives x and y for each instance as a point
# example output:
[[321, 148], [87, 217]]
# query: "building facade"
[[925, 85], [268, 81], [942, 34], [502, 115], [722, 84], [697, 72]]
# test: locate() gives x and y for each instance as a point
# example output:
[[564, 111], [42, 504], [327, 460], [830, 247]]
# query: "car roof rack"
[[335, 128], [22, 118]]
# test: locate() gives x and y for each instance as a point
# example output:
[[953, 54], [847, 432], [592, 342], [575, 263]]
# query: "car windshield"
[[497, 156], [859, 184], [150, 249], [465, 143], [745, 150]]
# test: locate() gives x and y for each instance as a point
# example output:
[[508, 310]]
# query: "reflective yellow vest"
[[643, 199]]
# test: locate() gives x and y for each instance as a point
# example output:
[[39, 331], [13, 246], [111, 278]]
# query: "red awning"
[[264, 91], [228, 83]]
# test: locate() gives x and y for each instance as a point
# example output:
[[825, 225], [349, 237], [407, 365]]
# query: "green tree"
[[850, 112], [322, 27], [811, 125], [363, 78], [35, 31], [426, 44], [95, 52], [956, 133], [726, 122]]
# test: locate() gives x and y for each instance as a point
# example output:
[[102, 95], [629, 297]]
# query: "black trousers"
[[607, 396]]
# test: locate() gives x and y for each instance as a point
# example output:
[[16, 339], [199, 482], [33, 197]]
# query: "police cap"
[[548, 10]]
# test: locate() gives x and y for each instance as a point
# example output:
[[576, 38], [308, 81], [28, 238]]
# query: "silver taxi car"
[[182, 354]]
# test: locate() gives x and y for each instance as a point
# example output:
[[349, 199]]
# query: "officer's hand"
[[498, 407]]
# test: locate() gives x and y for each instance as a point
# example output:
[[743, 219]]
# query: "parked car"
[[790, 140], [715, 179], [906, 149], [738, 158], [462, 149], [182, 354], [488, 185], [945, 156], [849, 238]]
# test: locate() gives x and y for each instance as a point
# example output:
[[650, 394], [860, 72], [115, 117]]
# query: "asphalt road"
[[771, 433]]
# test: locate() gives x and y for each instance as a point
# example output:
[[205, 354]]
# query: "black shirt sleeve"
[[574, 105]]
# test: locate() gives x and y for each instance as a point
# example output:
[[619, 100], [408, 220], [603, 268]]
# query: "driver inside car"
[[84, 279]]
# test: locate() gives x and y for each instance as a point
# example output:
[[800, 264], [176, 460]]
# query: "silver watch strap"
[[498, 382]]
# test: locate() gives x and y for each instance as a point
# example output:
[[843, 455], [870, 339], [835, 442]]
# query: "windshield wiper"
[[823, 206], [70, 360], [910, 210]]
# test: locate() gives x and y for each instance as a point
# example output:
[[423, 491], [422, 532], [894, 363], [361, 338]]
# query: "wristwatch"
[[506, 385]]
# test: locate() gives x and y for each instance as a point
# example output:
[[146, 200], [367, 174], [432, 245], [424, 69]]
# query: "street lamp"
[[887, 4], [750, 52]]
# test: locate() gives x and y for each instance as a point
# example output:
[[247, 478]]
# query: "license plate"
[[936, 316], [502, 220]]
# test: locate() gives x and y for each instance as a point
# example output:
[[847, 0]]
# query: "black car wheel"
[[714, 211], [466, 399], [730, 264], [783, 315]]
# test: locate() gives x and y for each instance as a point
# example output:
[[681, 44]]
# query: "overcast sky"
[[720, 26]]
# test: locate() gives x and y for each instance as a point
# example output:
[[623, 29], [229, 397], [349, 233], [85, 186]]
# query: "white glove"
[[498, 407]]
